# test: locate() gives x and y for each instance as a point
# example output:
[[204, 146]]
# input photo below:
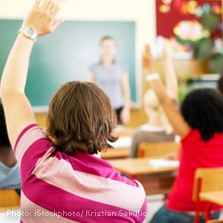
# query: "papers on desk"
[[150, 128], [122, 131], [164, 163], [122, 142]]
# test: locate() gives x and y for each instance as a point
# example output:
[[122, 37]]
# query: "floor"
[[155, 203]]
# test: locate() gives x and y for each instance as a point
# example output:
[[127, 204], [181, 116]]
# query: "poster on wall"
[[195, 28], [170, 13]]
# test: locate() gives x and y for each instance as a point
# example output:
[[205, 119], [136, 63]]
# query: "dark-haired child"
[[200, 125]]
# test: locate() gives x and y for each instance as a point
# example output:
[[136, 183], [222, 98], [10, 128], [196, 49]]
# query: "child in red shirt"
[[202, 144], [200, 125]]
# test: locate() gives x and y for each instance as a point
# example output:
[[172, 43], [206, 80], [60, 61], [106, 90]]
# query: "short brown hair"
[[80, 118], [105, 38]]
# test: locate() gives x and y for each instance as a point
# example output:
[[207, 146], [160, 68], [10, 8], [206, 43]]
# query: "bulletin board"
[[171, 12]]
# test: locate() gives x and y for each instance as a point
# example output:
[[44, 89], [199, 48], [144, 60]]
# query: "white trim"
[[40, 109]]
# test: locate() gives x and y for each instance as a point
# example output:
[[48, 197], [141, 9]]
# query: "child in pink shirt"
[[62, 180]]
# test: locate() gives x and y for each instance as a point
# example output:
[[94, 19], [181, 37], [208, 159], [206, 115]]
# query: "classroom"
[[111, 111]]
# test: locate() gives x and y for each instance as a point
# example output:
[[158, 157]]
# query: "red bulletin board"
[[167, 20]]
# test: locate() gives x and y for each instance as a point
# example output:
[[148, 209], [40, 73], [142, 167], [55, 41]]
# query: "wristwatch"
[[29, 33]]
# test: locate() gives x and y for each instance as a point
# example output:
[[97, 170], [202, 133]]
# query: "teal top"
[[9, 177]]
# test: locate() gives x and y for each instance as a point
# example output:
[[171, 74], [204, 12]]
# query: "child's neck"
[[7, 157], [107, 61]]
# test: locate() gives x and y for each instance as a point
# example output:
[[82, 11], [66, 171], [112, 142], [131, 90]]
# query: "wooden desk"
[[215, 197], [121, 146], [154, 180], [139, 166], [9, 199], [115, 154], [122, 131]]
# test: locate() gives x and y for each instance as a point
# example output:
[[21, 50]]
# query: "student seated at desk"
[[158, 128], [61, 176], [9, 173], [200, 125]]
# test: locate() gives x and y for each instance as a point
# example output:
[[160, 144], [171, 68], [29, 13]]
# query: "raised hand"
[[148, 60], [43, 17], [168, 50]]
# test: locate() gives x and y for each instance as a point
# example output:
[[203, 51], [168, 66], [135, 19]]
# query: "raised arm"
[[171, 81], [169, 105], [126, 96], [170, 76], [18, 111]]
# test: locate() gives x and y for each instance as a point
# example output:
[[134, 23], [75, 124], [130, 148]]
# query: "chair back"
[[9, 199], [207, 180], [158, 149]]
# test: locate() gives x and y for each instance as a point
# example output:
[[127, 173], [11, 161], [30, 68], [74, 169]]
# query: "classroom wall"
[[141, 11]]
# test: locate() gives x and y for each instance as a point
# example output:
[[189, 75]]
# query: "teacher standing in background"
[[109, 75]]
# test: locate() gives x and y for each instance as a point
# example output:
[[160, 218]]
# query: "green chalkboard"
[[67, 54]]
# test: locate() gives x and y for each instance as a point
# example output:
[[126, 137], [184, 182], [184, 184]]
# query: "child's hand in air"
[[43, 17]]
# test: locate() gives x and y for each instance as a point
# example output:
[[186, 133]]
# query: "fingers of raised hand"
[[44, 16], [43, 4], [53, 8], [49, 7], [36, 4], [55, 24]]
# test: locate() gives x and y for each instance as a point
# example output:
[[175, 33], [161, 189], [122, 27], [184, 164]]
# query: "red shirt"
[[196, 153]]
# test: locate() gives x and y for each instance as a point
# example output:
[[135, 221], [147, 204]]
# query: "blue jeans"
[[166, 216]]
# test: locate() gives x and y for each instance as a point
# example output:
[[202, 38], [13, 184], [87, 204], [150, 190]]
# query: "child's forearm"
[[170, 73], [159, 88], [41, 20], [126, 91], [171, 78], [16, 69], [170, 108]]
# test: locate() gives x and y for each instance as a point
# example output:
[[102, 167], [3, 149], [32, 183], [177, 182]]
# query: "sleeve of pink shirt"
[[27, 142]]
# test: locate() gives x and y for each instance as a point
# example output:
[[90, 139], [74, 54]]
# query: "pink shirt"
[[61, 188], [195, 154]]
